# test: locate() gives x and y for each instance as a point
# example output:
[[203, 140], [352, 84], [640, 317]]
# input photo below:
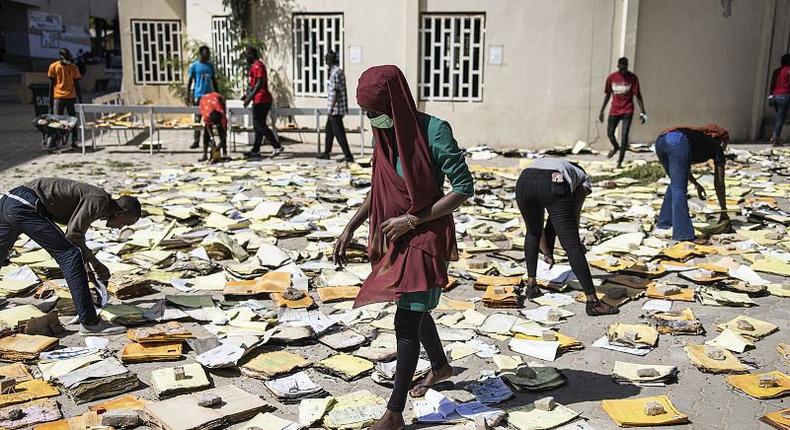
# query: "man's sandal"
[[598, 308]]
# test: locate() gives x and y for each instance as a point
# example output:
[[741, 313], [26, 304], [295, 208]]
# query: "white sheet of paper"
[[746, 274], [544, 350], [657, 305]]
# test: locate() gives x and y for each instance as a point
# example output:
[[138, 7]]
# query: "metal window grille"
[[451, 57], [224, 46], [313, 36], [157, 51]]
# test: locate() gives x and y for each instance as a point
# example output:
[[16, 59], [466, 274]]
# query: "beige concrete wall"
[[546, 91], [697, 66], [694, 64], [198, 18], [146, 9]]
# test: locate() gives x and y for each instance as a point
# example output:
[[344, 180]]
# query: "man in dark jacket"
[[34, 208]]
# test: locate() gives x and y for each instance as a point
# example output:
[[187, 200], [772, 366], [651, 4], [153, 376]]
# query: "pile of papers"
[[168, 381], [100, 380], [228, 277], [631, 412], [714, 359], [643, 375], [184, 412], [24, 347], [761, 385], [293, 388]]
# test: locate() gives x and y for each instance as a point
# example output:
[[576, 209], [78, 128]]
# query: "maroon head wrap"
[[384, 89], [715, 131]]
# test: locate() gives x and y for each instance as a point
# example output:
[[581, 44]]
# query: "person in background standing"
[[80, 63], [201, 73], [258, 93], [779, 98], [64, 88], [621, 86], [677, 149], [337, 102]]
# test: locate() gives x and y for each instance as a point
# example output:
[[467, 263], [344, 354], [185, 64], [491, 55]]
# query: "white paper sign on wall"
[[495, 54], [355, 55]]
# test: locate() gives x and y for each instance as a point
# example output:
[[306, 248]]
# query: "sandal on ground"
[[598, 308]]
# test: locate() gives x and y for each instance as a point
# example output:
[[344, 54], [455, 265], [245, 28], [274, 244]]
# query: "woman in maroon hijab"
[[412, 234]]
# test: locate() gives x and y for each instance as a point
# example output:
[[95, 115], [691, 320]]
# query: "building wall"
[[698, 66], [24, 46], [198, 17], [13, 21], [695, 65], [546, 91], [146, 9]]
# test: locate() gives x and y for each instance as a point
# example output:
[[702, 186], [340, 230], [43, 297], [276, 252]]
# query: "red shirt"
[[622, 87], [258, 71], [781, 81], [213, 102]]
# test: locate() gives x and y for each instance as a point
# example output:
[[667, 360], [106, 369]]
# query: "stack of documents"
[[345, 366], [632, 335], [100, 380], [643, 375], [24, 347], [631, 412], [748, 327], [292, 388], [269, 364], [683, 322], [729, 364], [168, 381], [437, 408], [384, 373], [528, 417], [501, 297], [184, 413], [359, 409], [751, 384]]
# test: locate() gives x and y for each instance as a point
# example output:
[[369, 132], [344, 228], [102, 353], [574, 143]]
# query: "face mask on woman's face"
[[381, 121]]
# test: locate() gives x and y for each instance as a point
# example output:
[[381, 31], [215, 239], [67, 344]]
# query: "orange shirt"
[[64, 75]]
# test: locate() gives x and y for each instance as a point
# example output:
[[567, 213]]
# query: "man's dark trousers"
[[66, 107], [334, 128], [21, 212]]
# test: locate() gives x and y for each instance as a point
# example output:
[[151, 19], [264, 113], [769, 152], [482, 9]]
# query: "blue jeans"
[[20, 213], [781, 104], [674, 153]]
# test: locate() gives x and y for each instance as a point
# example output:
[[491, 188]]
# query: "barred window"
[[451, 57], [157, 51], [313, 36], [223, 46]]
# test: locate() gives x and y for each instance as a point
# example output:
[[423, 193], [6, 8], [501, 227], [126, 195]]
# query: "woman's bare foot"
[[434, 377], [389, 421]]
